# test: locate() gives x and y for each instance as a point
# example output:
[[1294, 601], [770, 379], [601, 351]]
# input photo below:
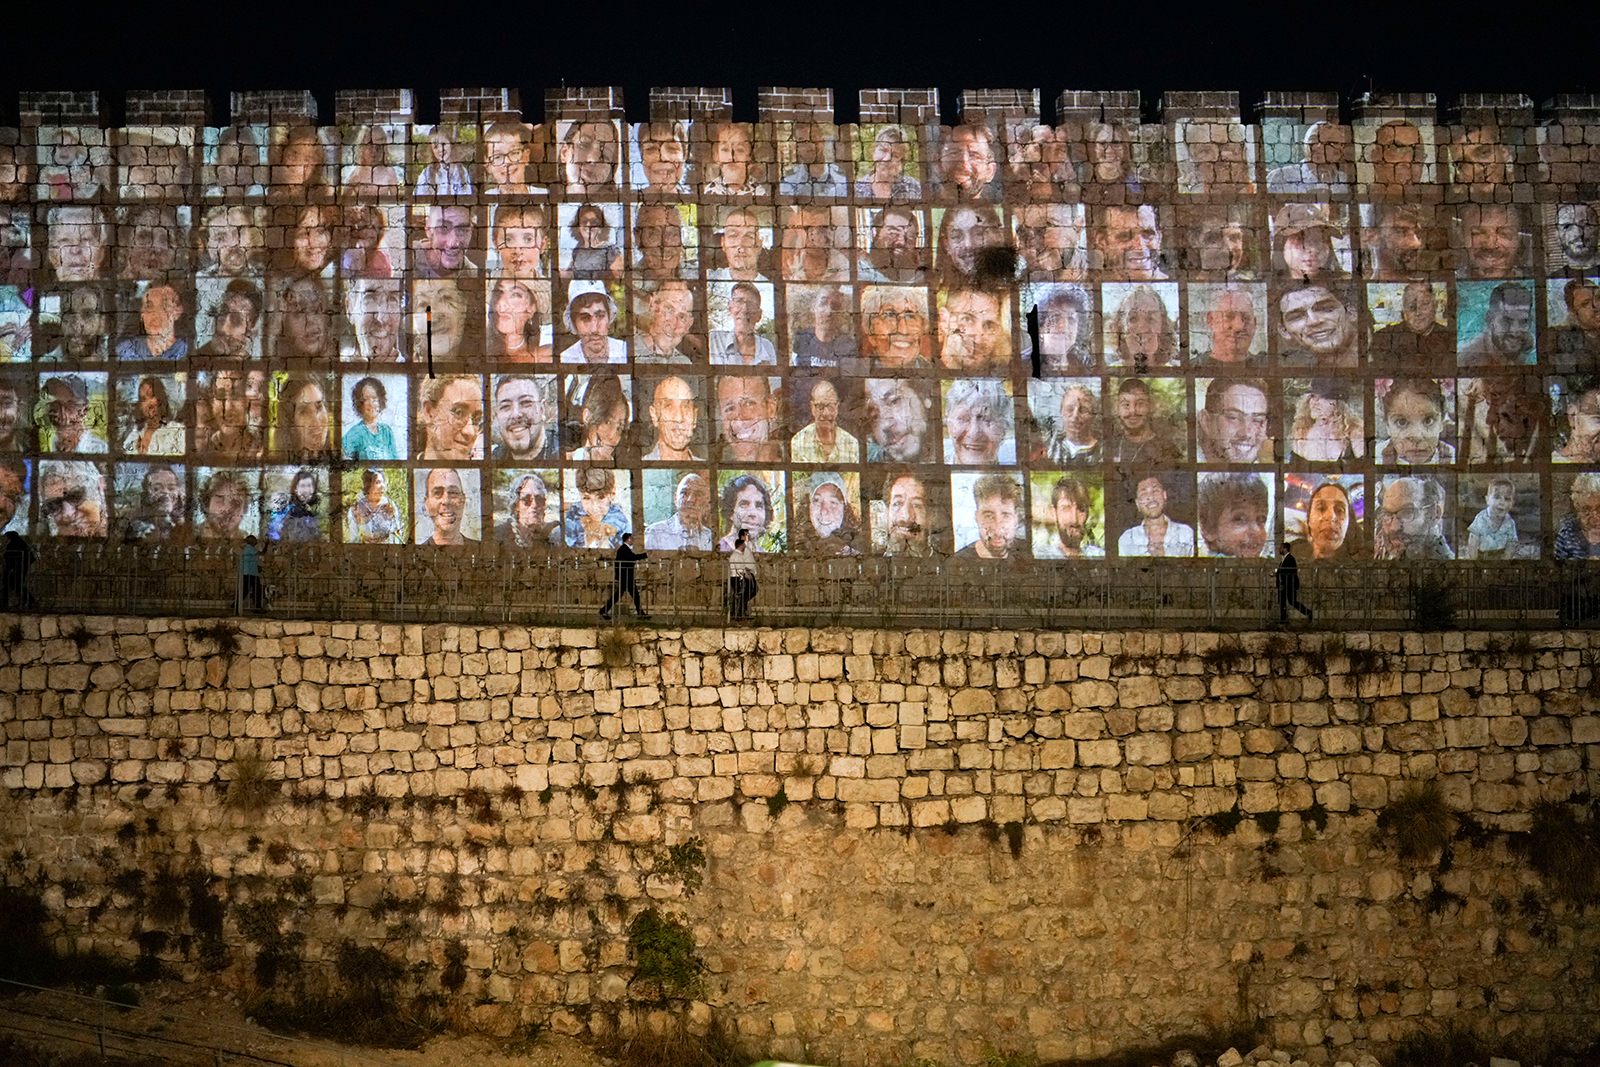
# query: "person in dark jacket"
[[622, 578]]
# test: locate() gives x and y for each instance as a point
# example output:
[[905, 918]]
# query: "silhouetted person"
[[250, 574], [18, 558], [1289, 586], [741, 578], [622, 578]]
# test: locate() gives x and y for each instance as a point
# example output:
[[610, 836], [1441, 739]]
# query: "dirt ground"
[[183, 1014]]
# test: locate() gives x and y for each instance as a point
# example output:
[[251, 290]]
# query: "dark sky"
[[1345, 47]]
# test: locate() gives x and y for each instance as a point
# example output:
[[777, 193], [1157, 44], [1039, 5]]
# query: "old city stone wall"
[[916, 844]]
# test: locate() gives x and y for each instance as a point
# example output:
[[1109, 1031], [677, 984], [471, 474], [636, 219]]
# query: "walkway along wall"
[[914, 844]]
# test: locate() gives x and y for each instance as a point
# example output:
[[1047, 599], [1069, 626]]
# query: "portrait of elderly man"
[[525, 524], [1327, 163], [1576, 346], [733, 169], [740, 243], [1493, 239], [224, 503], [1049, 238], [742, 345], [1072, 519], [445, 501], [899, 421], [232, 242], [1223, 326], [674, 413], [72, 498], [519, 240], [373, 308], [974, 331], [507, 152], [1065, 325], [1138, 435], [1304, 242], [446, 243], [814, 241], [980, 426], [685, 528], [658, 242], [906, 513], [1126, 242], [85, 325], [1419, 340], [160, 314], [965, 233], [1140, 333], [524, 418], [148, 241], [967, 164], [894, 324], [1234, 422], [663, 333], [1577, 232], [1235, 511], [661, 161], [824, 331], [595, 520], [79, 243], [1410, 520], [1155, 534], [1579, 534], [589, 153], [1001, 522], [814, 174], [1507, 337], [1318, 328], [67, 412], [590, 316], [747, 410], [895, 253], [822, 440]]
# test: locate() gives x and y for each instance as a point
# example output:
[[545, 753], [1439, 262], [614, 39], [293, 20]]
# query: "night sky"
[[1343, 47]]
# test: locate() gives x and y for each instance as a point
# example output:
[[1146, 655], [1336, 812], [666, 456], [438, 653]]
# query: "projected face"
[[1327, 521], [908, 515], [968, 235], [1316, 320], [1129, 242]]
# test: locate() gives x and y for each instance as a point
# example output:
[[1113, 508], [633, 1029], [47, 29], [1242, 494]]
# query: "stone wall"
[[917, 844]]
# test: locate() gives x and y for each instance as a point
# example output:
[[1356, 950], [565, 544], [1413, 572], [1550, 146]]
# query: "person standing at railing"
[[18, 557], [622, 578], [741, 578], [250, 575]]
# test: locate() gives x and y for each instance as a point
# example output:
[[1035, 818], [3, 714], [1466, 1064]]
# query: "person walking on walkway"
[[250, 575], [622, 578], [1289, 586], [741, 577], [18, 557]]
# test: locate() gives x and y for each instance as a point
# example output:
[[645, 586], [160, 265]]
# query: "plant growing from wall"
[[1564, 849], [616, 646], [686, 862], [663, 952], [1419, 823], [250, 787], [223, 636]]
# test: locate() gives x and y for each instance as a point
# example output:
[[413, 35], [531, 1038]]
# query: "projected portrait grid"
[[1009, 341]]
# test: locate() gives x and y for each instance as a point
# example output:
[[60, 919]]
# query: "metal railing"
[[123, 1030], [486, 586]]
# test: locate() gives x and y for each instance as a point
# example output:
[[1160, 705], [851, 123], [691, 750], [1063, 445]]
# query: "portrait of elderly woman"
[[894, 324], [747, 505], [1050, 239], [518, 322], [979, 423], [302, 433], [1579, 534], [828, 517], [1140, 333], [444, 301], [1577, 404]]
